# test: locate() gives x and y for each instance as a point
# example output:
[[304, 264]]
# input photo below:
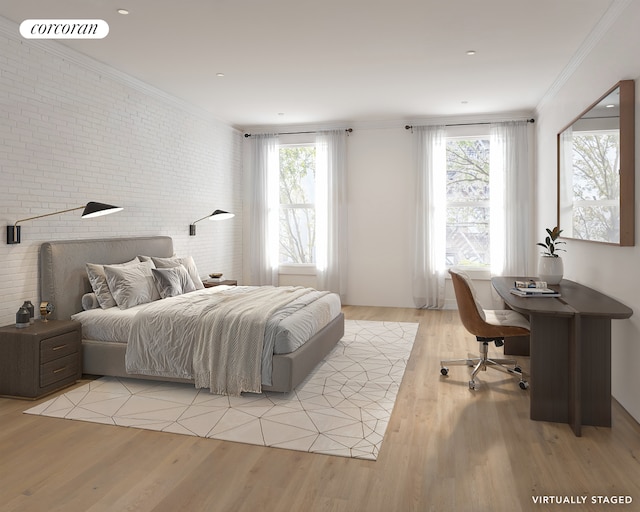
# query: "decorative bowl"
[[216, 275]]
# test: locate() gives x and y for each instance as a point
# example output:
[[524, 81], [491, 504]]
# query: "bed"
[[65, 283]]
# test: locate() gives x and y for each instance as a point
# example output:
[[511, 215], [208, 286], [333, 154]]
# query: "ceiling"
[[289, 62]]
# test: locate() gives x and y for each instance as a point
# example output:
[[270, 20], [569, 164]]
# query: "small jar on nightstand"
[[40, 359]]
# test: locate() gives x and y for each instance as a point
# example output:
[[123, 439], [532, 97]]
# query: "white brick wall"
[[70, 133]]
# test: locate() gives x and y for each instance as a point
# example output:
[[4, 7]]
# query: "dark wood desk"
[[570, 350]]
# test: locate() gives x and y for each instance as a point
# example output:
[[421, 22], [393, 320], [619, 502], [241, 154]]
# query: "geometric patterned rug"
[[342, 408]]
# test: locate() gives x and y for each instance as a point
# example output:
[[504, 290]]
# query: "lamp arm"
[[205, 217], [48, 214]]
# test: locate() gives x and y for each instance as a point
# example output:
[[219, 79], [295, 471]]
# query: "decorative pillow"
[[187, 262], [131, 285], [90, 301], [172, 281], [99, 285]]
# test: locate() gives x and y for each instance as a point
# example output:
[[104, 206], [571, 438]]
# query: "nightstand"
[[40, 359], [228, 282]]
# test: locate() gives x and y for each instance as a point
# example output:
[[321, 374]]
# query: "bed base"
[[289, 370]]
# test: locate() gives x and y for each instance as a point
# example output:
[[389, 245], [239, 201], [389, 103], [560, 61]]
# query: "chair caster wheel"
[[523, 384], [517, 369], [444, 371], [472, 385]]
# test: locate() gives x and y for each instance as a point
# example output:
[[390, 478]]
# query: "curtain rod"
[[410, 127], [348, 130]]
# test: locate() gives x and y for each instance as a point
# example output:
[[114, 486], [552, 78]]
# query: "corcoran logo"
[[64, 29]]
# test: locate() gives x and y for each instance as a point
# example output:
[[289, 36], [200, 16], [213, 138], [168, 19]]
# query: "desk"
[[570, 350]]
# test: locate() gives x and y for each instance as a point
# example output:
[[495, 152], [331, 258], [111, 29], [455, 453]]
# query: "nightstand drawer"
[[58, 346], [59, 369]]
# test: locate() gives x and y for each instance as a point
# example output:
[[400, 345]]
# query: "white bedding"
[[286, 330], [229, 339]]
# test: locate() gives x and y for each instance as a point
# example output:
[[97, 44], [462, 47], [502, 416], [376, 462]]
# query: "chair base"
[[509, 366]]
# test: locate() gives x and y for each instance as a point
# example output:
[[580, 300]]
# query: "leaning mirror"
[[596, 170]]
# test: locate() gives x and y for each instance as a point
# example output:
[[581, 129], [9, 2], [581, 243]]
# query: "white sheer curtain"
[[430, 222], [511, 198], [331, 211], [263, 202]]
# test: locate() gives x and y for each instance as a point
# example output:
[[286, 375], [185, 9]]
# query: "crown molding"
[[614, 11], [11, 30]]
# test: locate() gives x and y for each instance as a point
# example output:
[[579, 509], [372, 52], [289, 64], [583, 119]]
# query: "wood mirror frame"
[[612, 207]]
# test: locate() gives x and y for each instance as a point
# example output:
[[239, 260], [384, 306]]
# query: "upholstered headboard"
[[63, 275]]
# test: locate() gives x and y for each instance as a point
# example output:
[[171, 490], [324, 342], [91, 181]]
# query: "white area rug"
[[342, 408]]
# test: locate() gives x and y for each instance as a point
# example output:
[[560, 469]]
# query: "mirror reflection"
[[590, 173]]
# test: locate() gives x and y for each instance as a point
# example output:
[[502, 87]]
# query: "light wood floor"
[[446, 449]]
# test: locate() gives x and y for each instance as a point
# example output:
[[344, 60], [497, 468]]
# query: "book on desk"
[[533, 288]]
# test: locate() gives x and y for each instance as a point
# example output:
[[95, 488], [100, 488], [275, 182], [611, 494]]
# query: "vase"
[[550, 269]]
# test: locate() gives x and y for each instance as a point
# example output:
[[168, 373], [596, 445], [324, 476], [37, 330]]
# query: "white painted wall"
[[72, 133], [612, 270], [381, 211]]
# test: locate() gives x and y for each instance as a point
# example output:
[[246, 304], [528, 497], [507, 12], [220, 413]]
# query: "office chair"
[[491, 325]]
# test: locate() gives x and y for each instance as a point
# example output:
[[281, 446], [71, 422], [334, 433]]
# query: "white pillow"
[[99, 284], [172, 281], [131, 285], [187, 262]]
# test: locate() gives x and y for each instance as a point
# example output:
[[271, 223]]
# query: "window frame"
[[472, 132], [295, 140]]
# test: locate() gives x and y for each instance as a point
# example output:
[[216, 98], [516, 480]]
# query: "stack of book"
[[533, 288]]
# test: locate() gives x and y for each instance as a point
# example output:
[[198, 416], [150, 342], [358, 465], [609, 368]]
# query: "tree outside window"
[[297, 205], [596, 185], [468, 204]]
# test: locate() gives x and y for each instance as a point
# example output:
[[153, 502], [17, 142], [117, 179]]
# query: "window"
[[297, 213], [468, 202]]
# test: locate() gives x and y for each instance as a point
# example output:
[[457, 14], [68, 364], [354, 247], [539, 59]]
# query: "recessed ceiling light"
[[123, 11], [471, 52], [609, 106], [220, 75]]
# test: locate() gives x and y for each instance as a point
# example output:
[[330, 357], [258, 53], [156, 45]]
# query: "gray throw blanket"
[[228, 351]]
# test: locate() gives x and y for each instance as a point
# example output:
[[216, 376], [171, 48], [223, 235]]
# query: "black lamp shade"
[[220, 215], [94, 209]]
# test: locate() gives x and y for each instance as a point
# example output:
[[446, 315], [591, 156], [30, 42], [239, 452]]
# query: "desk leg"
[[571, 370], [549, 391], [595, 369], [575, 375]]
